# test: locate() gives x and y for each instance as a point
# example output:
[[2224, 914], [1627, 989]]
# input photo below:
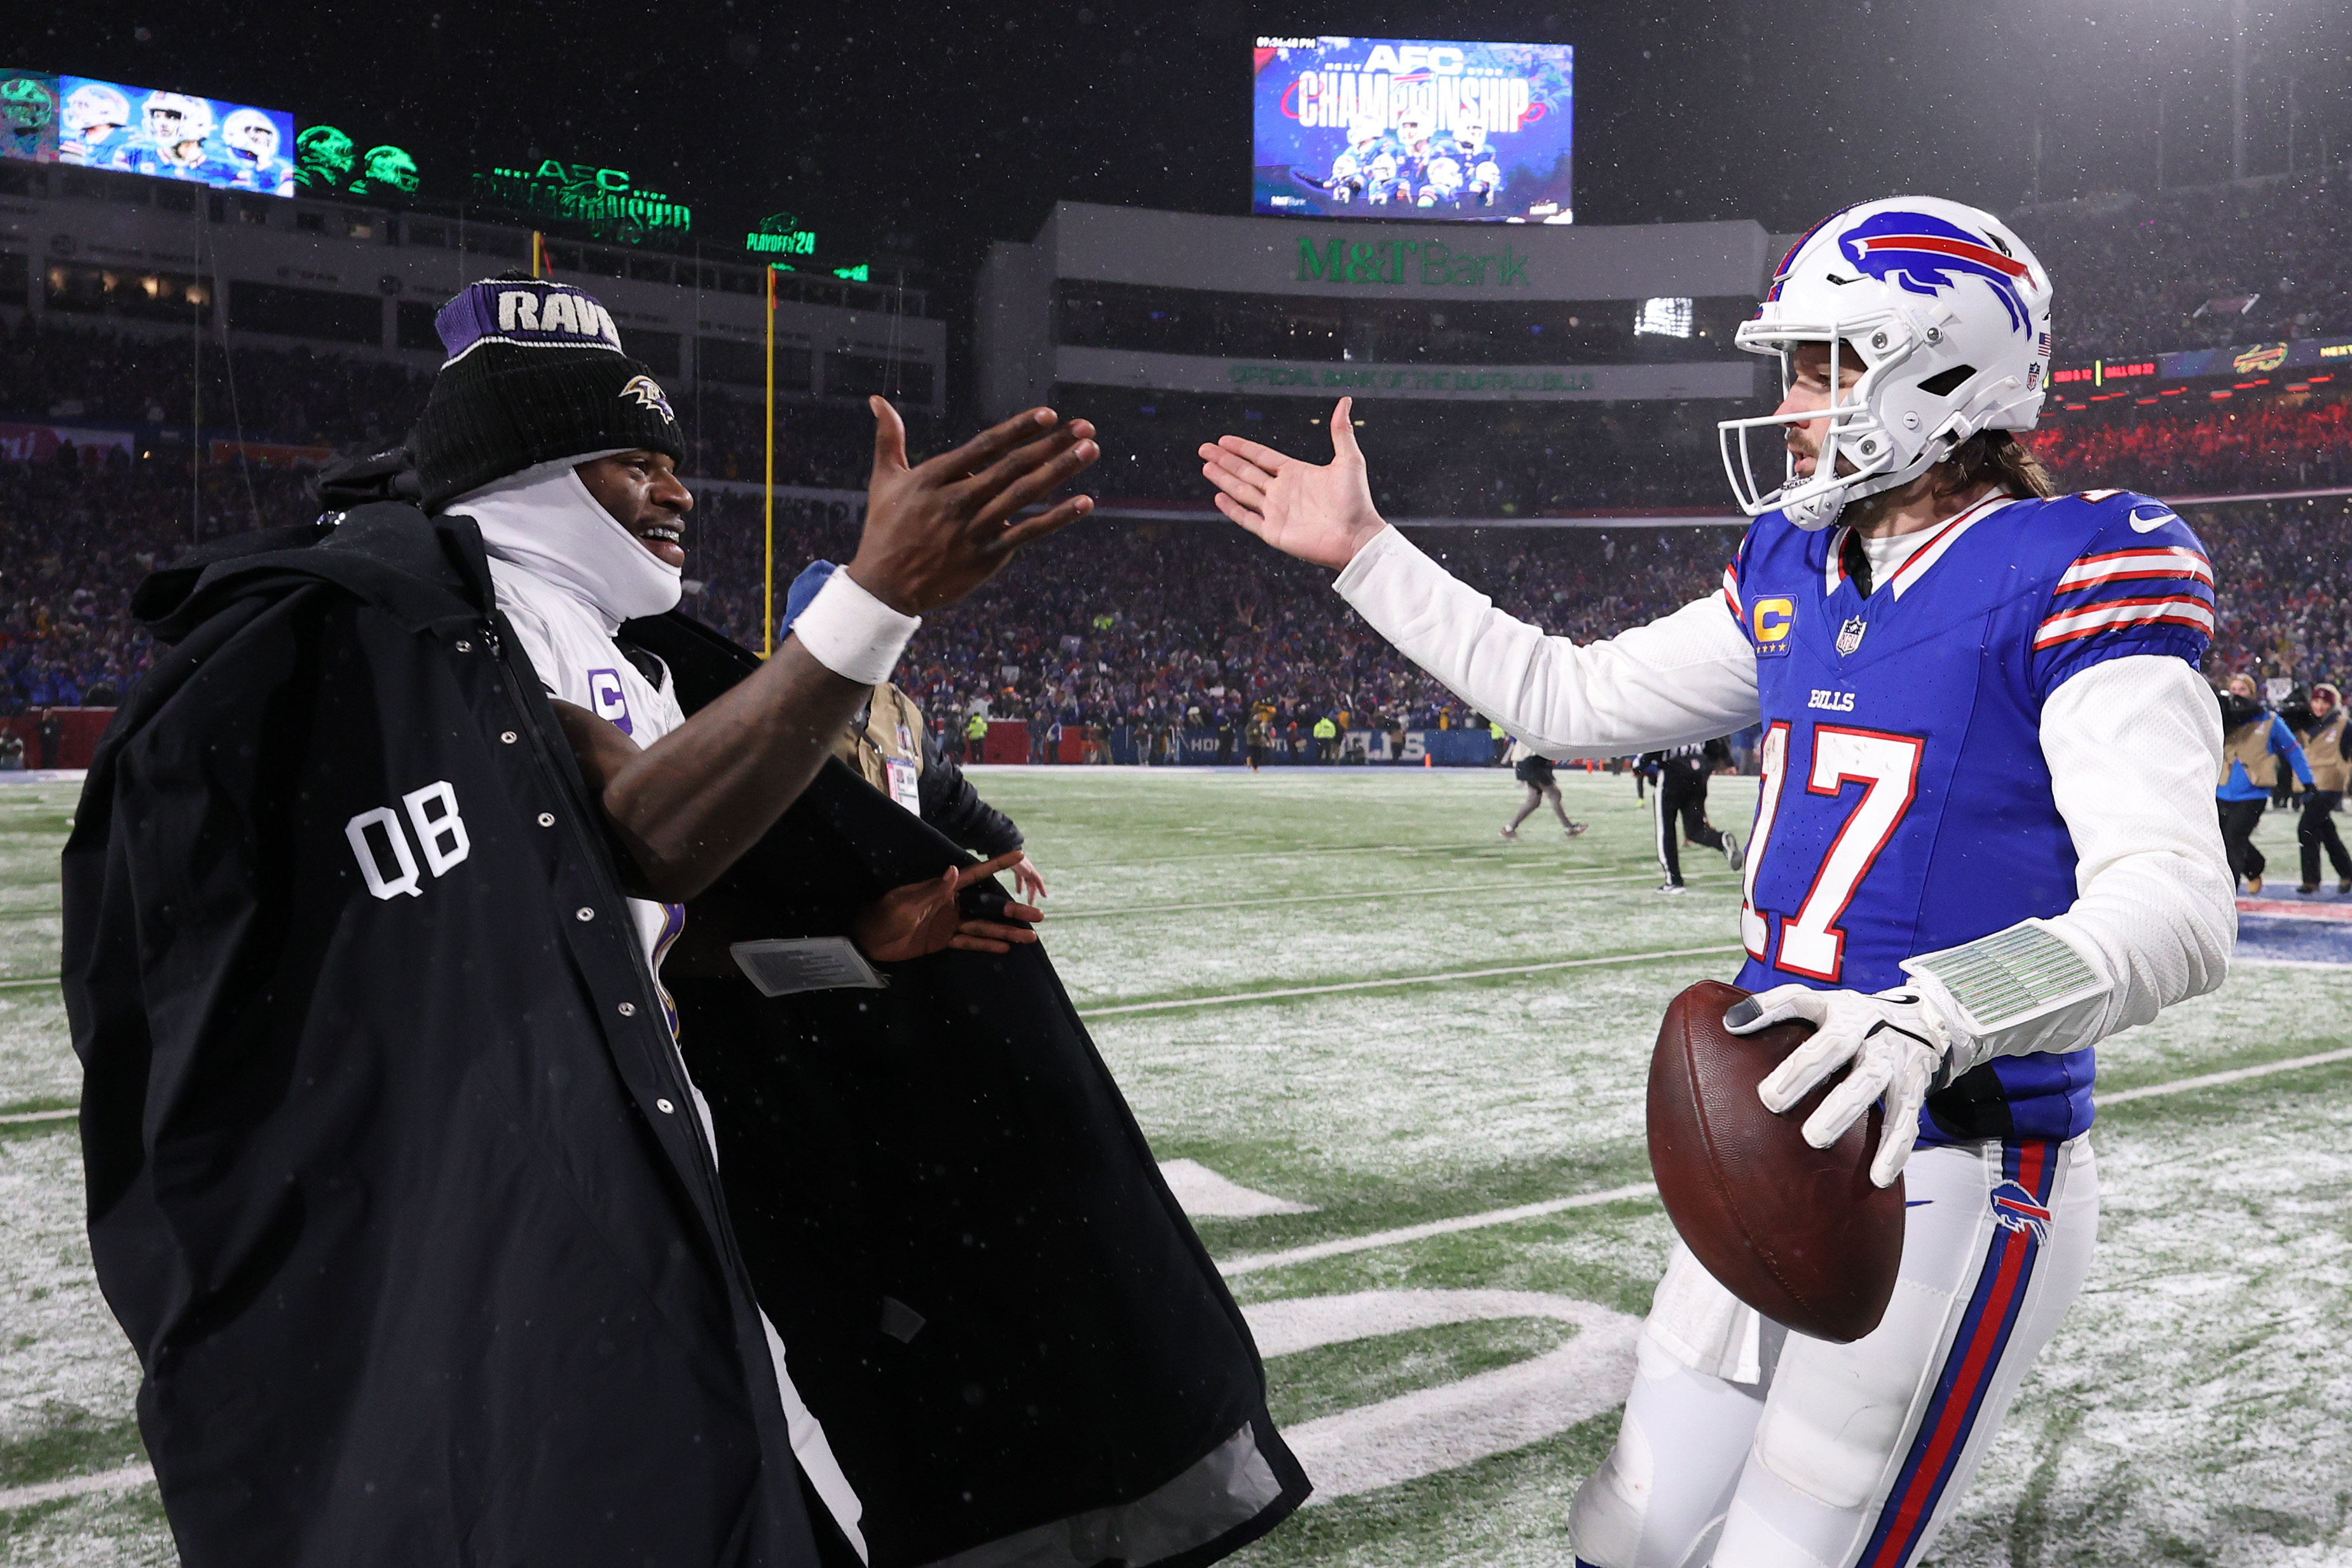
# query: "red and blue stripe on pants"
[[1975, 1358]]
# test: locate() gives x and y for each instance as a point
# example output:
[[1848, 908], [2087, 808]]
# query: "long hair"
[[1999, 457]]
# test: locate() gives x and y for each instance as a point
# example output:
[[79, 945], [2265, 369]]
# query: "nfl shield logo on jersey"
[[1849, 635], [2014, 1208]]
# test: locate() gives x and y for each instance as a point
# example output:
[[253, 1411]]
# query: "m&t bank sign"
[[1428, 263]]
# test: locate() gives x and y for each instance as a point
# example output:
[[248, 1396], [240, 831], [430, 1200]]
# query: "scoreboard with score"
[[2099, 372]]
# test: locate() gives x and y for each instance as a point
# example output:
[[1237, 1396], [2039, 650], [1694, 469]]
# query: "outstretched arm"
[[686, 807], [1690, 676]]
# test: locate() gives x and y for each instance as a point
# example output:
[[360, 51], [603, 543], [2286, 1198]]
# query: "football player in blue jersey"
[[252, 142], [173, 147], [1442, 180], [1414, 146], [1984, 842], [1484, 175], [1386, 185], [92, 117]]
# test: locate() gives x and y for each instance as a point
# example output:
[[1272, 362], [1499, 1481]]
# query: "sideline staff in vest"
[[2253, 738], [1327, 738], [2328, 748]]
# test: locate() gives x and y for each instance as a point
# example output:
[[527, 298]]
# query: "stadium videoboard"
[[174, 136], [1396, 128]]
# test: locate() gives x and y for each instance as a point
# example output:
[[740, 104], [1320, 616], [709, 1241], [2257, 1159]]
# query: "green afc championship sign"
[[1428, 263], [602, 200]]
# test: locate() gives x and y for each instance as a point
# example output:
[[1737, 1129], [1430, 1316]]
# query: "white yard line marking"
[[14, 1117], [1309, 1323], [1444, 1428], [1257, 1261], [1399, 980], [1579, 878], [2235, 1075], [124, 1479], [1205, 1195], [31, 981], [1292, 854]]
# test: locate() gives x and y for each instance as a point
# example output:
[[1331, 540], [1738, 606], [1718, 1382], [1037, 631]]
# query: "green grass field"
[[2196, 1407]]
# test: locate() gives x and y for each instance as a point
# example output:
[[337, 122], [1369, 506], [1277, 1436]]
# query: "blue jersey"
[[1906, 804], [272, 176], [145, 156], [97, 154]]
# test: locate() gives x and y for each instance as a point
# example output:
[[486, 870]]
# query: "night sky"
[[955, 124]]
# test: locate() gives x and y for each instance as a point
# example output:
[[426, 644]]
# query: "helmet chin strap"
[[1816, 512]]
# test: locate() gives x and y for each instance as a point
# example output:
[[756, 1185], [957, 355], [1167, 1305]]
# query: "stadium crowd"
[[152, 380], [1185, 624], [2198, 269], [2206, 448], [1195, 625], [1176, 624]]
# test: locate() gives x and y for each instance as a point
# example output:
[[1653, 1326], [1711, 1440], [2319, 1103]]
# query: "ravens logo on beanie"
[[535, 373]]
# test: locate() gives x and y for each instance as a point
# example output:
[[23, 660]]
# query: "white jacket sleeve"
[[2134, 746], [1690, 676]]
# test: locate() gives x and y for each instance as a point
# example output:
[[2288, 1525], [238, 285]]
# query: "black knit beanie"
[[535, 373]]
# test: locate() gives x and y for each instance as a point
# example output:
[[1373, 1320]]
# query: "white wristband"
[[853, 633]]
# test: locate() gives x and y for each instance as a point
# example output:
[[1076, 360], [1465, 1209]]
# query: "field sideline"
[[1414, 1054]]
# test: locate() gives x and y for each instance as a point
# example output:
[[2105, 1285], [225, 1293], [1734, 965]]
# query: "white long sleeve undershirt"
[[2132, 746]]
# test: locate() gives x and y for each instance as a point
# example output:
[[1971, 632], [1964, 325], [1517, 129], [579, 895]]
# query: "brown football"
[[1798, 1233]]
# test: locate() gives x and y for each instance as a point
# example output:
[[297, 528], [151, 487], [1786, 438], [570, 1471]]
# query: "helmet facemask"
[[1875, 455]]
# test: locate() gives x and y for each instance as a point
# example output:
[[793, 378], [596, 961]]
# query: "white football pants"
[[1853, 1456]]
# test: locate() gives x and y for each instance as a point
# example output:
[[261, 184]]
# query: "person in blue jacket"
[[2253, 739]]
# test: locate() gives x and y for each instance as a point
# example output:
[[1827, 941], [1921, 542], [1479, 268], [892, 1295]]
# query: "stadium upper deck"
[[154, 256], [1261, 308]]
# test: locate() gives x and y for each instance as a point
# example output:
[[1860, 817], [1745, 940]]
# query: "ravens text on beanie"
[[535, 373]]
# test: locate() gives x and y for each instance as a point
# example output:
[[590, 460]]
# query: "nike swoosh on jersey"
[[2141, 525]]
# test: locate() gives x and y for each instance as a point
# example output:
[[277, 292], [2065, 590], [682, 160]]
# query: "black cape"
[[395, 1182]]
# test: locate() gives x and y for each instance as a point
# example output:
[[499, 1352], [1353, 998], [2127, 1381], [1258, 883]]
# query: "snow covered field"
[[1453, 1386]]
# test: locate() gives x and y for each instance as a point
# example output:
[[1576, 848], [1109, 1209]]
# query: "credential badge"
[[1849, 635]]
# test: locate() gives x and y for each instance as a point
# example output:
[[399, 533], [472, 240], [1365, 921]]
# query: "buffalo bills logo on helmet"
[[648, 393], [2014, 1208], [1921, 254]]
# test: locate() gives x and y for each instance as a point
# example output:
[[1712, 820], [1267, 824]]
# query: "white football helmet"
[[251, 130], [174, 117], [1949, 314], [92, 105]]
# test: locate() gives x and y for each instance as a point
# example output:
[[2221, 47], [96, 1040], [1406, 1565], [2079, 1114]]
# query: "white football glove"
[[1895, 1041]]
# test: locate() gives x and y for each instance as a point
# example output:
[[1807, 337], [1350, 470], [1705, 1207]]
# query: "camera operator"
[[2325, 729], [2253, 739]]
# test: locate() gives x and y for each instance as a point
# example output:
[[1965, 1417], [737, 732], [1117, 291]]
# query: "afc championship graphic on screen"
[[1396, 128]]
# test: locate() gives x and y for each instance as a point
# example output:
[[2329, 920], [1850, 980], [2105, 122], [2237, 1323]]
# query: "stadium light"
[[1663, 318]]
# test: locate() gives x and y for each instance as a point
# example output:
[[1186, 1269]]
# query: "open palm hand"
[[1318, 512]]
